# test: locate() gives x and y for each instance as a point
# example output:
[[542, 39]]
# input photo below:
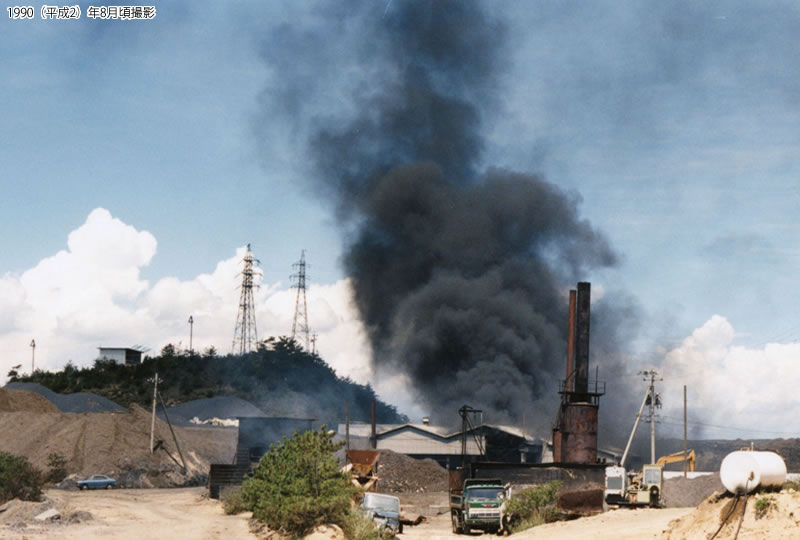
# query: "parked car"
[[383, 510], [97, 481]]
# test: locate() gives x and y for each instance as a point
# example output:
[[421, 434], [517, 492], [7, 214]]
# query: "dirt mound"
[[79, 402], [399, 473], [584, 501], [689, 492], [117, 444], [22, 400], [767, 515]]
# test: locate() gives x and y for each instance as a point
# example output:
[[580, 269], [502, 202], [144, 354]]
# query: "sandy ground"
[[138, 514], [623, 524], [616, 525]]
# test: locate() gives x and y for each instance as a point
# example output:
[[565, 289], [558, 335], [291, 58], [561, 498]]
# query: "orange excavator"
[[677, 457]]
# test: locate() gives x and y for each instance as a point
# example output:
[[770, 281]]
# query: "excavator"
[[677, 457]]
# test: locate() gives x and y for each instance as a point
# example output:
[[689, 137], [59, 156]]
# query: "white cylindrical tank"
[[743, 471]]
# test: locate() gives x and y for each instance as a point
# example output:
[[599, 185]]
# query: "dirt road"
[[615, 525], [137, 514]]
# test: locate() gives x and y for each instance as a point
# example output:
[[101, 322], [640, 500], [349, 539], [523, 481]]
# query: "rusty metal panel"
[[569, 380], [579, 433]]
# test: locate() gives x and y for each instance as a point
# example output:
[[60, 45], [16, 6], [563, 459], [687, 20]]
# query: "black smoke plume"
[[460, 271]]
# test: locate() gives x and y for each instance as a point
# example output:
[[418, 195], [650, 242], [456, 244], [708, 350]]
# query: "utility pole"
[[300, 323], [153, 422], [33, 356], [653, 400], [685, 455], [313, 343], [191, 324]]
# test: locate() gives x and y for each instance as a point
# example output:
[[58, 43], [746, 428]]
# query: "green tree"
[[297, 485]]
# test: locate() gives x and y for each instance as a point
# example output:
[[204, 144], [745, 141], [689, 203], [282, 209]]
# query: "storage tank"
[[743, 471]]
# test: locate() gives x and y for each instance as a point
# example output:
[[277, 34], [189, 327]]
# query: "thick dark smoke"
[[460, 271]]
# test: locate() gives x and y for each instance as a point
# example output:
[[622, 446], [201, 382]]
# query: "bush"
[[19, 479], [532, 507], [357, 526], [233, 502], [297, 485], [57, 465]]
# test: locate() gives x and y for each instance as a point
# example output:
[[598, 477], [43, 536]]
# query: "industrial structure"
[[575, 428], [245, 335], [121, 355], [300, 322]]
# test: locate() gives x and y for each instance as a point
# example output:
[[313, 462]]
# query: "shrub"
[[763, 506], [297, 484], [19, 479], [233, 502], [357, 526], [532, 507], [57, 468]]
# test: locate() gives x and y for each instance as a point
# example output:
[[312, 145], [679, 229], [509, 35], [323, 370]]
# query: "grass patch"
[[764, 505]]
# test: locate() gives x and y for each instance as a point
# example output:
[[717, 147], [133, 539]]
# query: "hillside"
[[280, 379]]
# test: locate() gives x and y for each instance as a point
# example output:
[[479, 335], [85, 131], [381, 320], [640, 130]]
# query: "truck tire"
[[454, 518]]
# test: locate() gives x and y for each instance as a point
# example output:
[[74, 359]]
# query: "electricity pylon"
[[300, 324], [245, 335]]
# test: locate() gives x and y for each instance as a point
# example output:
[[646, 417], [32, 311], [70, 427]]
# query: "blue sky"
[[676, 123]]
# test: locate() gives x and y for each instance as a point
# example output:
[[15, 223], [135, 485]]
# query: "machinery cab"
[[615, 485], [645, 487]]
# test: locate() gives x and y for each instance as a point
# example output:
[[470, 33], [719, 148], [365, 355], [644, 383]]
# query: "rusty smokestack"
[[569, 379], [582, 339]]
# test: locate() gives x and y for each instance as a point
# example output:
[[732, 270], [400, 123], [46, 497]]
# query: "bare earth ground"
[[625, 524], [135, 514]]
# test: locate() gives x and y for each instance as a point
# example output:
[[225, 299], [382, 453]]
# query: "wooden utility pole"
[[685, 455], [153, 422], [33, 356]]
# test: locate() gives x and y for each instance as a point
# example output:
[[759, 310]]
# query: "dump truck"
[[476, 505]]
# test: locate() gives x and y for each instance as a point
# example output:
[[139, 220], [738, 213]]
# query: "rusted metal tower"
[[245, 335], [300, 323], [575, 430]]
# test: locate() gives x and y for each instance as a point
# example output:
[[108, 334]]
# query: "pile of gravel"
[[398, 473], [214, 407], [79, 402], [687, 492]]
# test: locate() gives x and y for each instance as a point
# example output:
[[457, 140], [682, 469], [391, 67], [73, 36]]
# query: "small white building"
[[120, 355]]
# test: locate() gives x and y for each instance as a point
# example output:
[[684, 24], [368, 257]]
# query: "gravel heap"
[[398, 473], [22, 400], [79, 402], [214, 407], [686, 492]]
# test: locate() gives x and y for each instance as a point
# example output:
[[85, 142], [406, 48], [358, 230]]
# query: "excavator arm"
[[690, 457]]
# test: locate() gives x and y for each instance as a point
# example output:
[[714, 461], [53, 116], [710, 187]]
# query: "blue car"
[[98, 481]]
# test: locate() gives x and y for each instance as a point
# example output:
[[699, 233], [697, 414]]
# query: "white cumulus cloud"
[[91, 294], [733, 391]]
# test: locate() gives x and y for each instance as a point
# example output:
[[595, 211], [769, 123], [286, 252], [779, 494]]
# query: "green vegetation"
[[764, 505], [233, 502], [297, 485], [280, 366], [19, 479], [57, 468], [532, 507]]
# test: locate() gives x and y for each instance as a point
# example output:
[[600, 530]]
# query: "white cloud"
[[91, 294], [732, 386]]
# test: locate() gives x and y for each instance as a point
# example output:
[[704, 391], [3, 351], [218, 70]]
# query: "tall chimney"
[[570, 378], [582, 339]]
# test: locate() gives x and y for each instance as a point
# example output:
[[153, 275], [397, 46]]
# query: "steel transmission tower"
[[300, 324], [245, 336]]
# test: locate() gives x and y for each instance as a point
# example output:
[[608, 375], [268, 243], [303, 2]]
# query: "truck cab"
[[615, 485], [477, 505], [634, 488]]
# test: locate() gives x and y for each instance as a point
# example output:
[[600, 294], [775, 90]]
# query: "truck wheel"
[[456, 522], [400, 529]]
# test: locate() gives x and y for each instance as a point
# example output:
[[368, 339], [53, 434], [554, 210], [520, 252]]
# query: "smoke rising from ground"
[[460, 272]]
